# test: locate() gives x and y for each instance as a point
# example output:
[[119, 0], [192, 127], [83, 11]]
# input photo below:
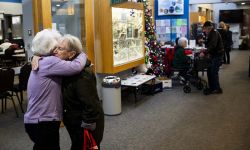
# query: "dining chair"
[[7, 58], [6, 85], [23, 81]]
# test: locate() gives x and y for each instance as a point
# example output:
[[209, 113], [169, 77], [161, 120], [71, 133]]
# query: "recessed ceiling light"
[[243, 3], [58, 5]]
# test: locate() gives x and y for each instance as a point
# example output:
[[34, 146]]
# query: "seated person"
[[5, 45], [200, 40], [180, 60]]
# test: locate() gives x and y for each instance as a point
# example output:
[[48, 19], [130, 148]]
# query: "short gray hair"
[[181, 41], [45, 42], [73, 43]]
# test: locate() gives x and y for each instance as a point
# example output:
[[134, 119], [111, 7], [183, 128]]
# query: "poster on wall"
[[170, 7], [169, 29]]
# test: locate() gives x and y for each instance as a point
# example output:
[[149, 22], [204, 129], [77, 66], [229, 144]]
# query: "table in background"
[[19, 51], [19, 55], [19, 58], [136, 81]]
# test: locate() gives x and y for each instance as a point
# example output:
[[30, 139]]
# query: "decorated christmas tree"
[[154, 53]]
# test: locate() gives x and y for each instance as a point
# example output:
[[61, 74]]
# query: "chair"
[[7, 58], [22, 85], [6, 85]]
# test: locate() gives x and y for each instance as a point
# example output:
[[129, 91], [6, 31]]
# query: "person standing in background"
[[215, 51], [228, 46], [223, 33]]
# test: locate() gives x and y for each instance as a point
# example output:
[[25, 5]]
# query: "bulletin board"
[[170, 26], [170, 29]]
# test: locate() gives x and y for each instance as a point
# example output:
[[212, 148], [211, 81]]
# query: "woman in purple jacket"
[[44, 111]]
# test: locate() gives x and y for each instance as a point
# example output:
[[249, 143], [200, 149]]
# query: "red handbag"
[[89, 142]]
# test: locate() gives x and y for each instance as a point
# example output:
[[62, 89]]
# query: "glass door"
[[68, 17]]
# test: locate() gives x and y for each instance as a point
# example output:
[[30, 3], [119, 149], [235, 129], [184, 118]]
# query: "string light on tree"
[[155, 54]]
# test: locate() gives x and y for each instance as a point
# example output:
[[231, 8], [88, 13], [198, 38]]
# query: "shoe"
[[219, 91], [182, 82]]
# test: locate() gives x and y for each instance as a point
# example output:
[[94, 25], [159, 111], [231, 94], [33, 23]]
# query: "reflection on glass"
[[17, 27], [1, 31], [68, 18], [127, 29]]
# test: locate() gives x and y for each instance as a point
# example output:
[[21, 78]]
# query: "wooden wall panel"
[[88, 26], [42, 14]]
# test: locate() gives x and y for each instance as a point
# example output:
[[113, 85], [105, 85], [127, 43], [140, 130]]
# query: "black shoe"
[[219, 91]]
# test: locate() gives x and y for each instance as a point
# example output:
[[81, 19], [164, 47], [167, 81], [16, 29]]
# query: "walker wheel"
[[187, 89]]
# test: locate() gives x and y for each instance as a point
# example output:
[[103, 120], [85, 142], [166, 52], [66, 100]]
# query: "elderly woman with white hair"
[[44, 112], [180, 60], [81, 105]]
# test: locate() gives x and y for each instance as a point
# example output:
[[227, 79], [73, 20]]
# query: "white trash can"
[[111, 92]]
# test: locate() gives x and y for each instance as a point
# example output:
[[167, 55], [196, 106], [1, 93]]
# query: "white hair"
[[73, 43], [182, 41], [45, 41]]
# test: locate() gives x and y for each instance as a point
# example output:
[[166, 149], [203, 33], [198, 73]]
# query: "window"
[[68, 18], [17, 27]]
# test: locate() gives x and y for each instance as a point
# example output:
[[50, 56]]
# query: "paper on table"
[[192, 43]]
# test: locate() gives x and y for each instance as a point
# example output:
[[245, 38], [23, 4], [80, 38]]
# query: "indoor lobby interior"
[[169, 120]]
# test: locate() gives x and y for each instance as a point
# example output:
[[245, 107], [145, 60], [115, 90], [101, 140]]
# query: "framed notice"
[[170, 7]]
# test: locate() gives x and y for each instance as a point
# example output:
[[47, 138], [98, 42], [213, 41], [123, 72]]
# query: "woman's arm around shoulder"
[[67, 68]]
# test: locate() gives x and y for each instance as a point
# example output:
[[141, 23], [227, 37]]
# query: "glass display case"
[[119, 36], [127, 28]]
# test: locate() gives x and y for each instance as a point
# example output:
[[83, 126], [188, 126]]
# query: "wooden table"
[[19, 51], [19, 55]]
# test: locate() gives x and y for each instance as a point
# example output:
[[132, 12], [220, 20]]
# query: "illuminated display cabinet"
[[127, 28], [119, 36]]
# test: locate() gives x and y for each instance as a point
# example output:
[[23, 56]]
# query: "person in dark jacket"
[[223, 33], [228, 46], [215, 51], [81, 105]]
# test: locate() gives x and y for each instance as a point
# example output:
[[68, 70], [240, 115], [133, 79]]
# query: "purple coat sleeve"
[[54, 66]]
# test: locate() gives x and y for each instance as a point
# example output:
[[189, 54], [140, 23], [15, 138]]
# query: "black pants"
[[75, 131], [227, 56], [213, 73], [45, 135]]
